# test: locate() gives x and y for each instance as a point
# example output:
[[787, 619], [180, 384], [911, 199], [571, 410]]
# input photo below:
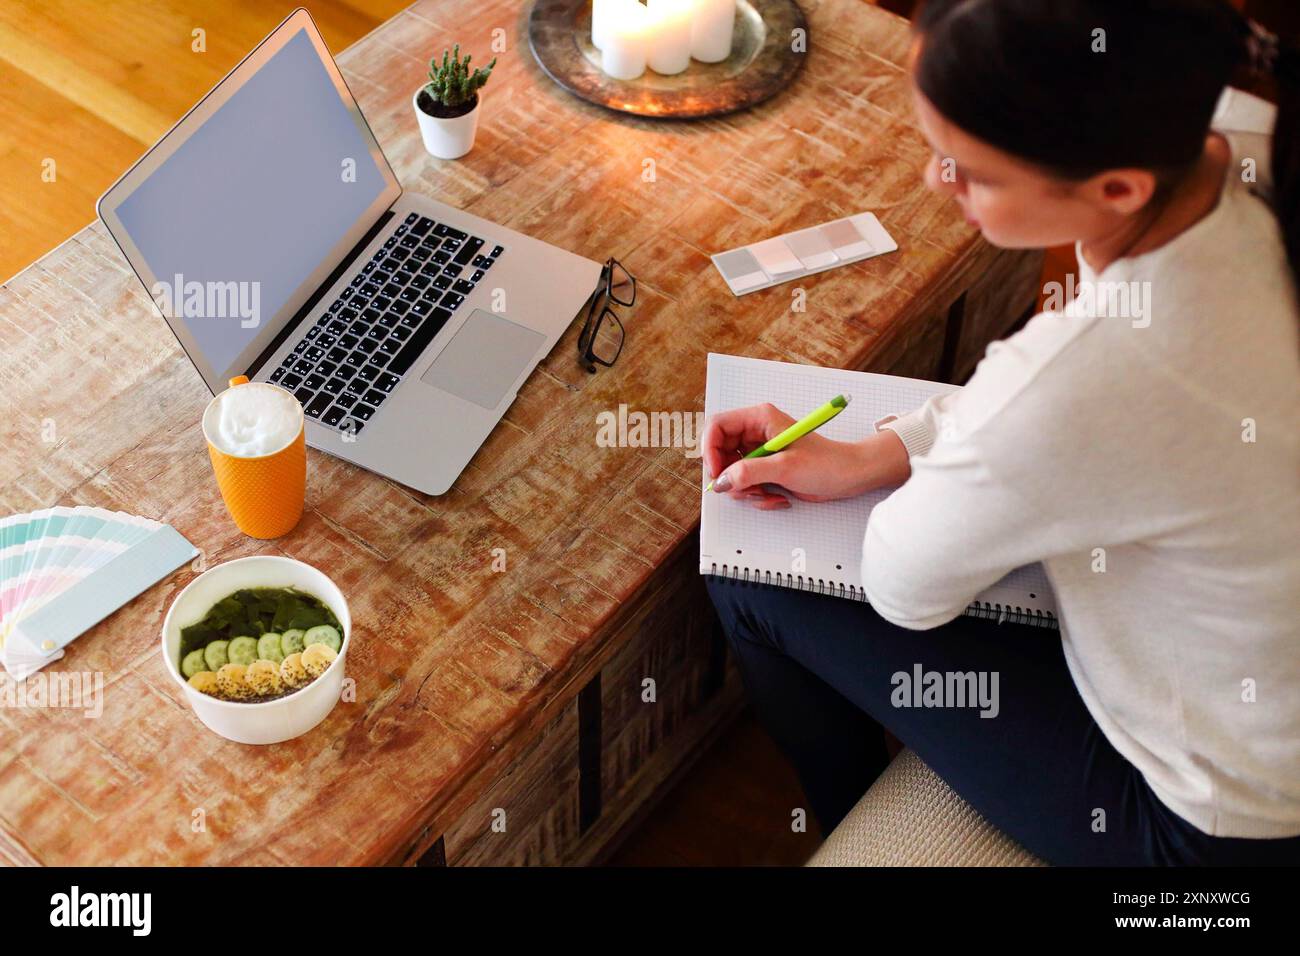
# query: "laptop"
[[272, 234]]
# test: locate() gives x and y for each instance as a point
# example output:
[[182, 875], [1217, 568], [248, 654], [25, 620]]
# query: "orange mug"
[[264, 494]]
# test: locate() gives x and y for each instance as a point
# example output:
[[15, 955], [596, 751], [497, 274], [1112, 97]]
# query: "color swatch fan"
[[62, 570]]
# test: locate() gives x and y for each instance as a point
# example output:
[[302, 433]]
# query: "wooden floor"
[[87, 86], [733, 809]]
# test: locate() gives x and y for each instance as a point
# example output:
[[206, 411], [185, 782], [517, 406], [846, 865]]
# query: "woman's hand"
[[813, 468]]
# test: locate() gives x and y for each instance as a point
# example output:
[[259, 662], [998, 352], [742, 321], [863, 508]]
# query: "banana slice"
[[317, 657], [263, 678], [231, 683], [205, 682], [292, 672]]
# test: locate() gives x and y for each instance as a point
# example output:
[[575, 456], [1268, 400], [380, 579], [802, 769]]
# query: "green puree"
[[253, 612]]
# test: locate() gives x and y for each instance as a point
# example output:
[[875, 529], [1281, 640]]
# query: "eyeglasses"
[[601, 340]]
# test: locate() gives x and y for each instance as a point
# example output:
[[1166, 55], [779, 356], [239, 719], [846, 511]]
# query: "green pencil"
[[809, 423]]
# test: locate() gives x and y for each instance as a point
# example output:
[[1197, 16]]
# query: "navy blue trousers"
[[821, 671]]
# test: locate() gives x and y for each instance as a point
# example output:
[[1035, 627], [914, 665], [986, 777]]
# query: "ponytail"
[[1279, 59]]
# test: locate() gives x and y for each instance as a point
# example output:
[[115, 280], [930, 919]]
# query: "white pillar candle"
[[670, 35], [602, 11], [711, 30], [627, 42]]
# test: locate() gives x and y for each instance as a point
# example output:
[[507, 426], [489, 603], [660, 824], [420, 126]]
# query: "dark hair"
[[1029, 77]]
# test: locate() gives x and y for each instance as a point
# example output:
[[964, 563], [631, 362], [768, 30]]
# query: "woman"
[[1149, 459]]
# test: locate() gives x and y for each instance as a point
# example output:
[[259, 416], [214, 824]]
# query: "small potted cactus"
[[447, 107]]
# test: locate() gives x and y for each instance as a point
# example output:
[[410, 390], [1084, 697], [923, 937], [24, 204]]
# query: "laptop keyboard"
[[349, 362]]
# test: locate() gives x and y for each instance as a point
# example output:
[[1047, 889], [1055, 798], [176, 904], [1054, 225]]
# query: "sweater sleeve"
[[919, 429], [950, 531], [915, 429], [985, 492]]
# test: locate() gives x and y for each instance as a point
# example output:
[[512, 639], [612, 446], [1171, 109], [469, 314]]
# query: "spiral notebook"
[[818, 546]]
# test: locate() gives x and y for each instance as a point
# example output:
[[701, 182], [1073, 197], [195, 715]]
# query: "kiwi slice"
[[323, 634], [291, 642], [242, 650], [215, 654], [193, 663], [268, 648]]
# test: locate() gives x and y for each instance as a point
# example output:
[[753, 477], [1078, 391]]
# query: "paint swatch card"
[[64, 569], [803, 253], [813, 247], [775, 258]]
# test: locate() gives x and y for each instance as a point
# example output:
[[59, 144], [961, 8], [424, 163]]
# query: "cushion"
[[910, 817]]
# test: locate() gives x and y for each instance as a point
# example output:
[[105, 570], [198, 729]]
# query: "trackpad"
[[484, 358]]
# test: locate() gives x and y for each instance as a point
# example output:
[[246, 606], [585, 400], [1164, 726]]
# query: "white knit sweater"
[[1151, 461]]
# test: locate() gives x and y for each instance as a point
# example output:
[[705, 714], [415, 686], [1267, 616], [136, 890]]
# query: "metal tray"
[[763, 62]]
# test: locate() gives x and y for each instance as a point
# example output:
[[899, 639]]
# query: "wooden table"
[[482, 696]]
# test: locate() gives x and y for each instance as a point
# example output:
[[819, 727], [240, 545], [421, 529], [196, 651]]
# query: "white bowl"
[[271, 721]]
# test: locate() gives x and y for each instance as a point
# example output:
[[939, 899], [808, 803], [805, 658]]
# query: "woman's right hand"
[[813, 468]]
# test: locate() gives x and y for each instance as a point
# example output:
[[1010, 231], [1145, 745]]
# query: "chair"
[[910, 817]]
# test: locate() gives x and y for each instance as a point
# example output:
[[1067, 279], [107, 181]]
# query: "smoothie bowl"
[[257, 645]]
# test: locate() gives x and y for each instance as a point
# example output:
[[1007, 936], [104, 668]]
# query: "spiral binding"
[[985, 610]]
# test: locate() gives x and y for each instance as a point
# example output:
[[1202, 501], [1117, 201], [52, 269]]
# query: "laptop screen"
[[250, 205]]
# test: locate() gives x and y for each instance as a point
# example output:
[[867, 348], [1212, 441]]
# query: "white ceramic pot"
[[272, 721], [447, 138]]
